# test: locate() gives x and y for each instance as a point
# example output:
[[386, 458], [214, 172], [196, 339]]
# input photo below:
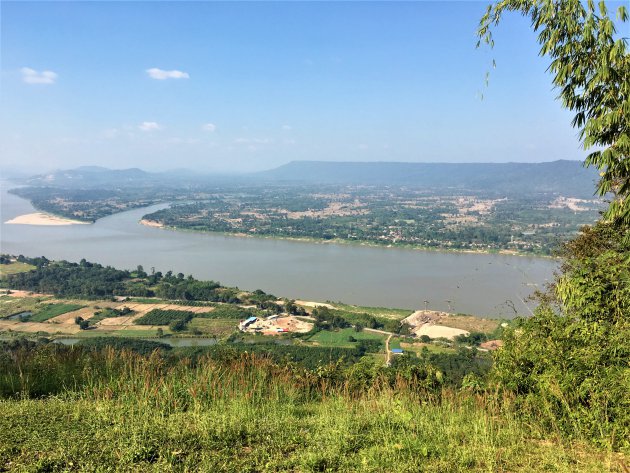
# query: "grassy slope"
[[378, 434], [15, 267], [128, 413]]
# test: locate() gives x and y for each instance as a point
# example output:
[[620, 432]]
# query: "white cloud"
[[211, 127], [149, 126], [31, 76], [159, 74]]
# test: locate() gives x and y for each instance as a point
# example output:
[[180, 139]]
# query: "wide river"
[[480, 284]]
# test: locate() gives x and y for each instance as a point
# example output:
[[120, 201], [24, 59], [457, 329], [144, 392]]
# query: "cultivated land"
[[55, 318], [329, 394]]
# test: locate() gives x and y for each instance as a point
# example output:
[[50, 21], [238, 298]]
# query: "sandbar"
[[151, 223], [40, 218]]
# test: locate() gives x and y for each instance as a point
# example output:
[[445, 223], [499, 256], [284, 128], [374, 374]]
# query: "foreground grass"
[[113, 411], [377, 433]]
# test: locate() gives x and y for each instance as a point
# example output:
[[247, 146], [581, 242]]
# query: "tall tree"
[[591, 68], [569, 362]]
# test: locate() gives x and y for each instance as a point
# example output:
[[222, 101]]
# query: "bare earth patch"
[[151, 223], [439, 331], [279, 325], [314, 304], [34, 327], [464, 323]]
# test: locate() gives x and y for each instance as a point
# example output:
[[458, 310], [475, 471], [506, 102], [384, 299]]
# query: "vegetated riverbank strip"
[[313, 240], [357, 243]]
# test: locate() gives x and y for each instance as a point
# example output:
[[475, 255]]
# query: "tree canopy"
[[569, 362], [591, 69]]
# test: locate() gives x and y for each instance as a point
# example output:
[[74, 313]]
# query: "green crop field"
[[164, 317], [341, 338], [214, 327], [53, 310]]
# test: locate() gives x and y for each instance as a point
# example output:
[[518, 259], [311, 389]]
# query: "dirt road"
[[389, 353]]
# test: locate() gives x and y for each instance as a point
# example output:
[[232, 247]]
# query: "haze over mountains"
[[563, 177]]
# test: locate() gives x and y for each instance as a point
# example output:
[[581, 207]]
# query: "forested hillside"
[[568, 178]]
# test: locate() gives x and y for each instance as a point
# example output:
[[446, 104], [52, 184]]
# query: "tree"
[[569, 362], [177, 325], [591, 69]]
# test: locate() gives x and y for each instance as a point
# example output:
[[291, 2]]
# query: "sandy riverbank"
[[40, 218], [151, 223]]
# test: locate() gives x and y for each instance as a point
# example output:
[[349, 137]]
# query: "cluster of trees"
[[92, 280], [166, 317], [327, 319], [66, 279], [569, 362]]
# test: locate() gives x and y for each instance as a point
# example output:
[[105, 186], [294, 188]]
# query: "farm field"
[[54, 310], [214, 327], [341, 338]]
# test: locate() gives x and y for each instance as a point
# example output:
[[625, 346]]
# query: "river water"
[[480, 284]]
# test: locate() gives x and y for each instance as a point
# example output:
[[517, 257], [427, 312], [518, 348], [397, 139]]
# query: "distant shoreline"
[[339, 241]]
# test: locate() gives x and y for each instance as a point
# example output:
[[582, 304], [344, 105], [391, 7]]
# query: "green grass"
[[14, 268], [340, 338], [49, 311], [385, 312], [432, 348], [215, 327], [136, 414]]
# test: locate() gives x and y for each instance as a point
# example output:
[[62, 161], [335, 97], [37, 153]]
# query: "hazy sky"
[[247, 86]]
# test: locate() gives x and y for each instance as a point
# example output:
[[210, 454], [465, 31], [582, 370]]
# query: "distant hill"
[[568, 178], [90, 176], [561, 177]]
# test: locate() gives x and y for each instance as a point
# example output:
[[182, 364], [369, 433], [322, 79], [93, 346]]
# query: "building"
[[247, 322]]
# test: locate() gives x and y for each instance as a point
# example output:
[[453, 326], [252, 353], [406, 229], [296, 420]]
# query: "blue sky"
[[247, 86]]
